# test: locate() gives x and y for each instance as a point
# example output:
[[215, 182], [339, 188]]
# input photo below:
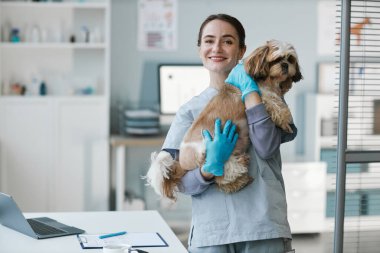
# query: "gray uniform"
[[258, 211]]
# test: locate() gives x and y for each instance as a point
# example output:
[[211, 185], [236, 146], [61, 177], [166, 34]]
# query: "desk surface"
[[93, 223], [119, 140]]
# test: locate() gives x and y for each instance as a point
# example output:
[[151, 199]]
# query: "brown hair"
[[229, 19]]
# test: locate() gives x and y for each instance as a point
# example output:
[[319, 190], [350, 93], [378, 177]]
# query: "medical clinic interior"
[[90, 88]]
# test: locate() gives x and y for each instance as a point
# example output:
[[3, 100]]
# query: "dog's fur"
[[274, 67]]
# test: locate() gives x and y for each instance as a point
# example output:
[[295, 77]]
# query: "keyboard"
[[43, 229]]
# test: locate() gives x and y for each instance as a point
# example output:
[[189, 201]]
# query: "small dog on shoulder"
[[274, 67]]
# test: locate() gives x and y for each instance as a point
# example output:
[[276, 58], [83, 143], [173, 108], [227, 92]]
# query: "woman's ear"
[[256, 65], [242, 52]]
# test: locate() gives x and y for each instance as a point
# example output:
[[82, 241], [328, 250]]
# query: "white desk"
[[93, 222], [119, 145]]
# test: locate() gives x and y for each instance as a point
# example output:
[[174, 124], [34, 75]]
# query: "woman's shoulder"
[[199, 101]]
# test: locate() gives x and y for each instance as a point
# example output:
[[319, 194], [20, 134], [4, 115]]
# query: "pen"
[[112, 235]]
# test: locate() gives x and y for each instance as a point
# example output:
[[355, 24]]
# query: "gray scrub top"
[[258, 211]]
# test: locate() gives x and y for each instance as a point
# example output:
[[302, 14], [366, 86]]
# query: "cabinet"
[[54, 153], [305, 185], [362, 180]]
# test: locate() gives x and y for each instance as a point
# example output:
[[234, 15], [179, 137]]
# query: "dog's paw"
[[284, 120]]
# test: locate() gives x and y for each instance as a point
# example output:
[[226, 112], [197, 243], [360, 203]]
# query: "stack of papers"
[[142, 122], [139, 240]]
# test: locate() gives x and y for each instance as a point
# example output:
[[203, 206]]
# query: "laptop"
[[39, 228]]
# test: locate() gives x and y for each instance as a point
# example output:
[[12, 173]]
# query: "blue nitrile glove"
[[219, 150], [240, 79]]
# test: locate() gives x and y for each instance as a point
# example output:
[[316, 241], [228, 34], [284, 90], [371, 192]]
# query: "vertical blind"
[[362, 156]]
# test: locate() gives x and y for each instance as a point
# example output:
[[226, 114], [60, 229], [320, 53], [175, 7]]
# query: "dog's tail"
[[164, 174]]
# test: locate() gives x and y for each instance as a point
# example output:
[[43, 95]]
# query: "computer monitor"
[[178, 83]]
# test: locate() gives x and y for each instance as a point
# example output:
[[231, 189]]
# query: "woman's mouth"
[[217, 58]]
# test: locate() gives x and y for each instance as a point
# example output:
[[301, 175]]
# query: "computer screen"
[[179, 83]]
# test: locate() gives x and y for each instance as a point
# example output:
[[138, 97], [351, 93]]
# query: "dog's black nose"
[[284, 66]]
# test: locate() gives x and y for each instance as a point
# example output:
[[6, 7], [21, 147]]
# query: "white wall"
[[134, 73]]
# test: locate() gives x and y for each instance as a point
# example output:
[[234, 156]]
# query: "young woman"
[[253, 219]]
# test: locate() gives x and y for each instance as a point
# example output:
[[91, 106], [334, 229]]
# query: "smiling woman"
[[253, 219], [221, 46]]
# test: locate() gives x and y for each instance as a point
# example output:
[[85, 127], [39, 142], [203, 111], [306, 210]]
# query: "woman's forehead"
[[219, 28]]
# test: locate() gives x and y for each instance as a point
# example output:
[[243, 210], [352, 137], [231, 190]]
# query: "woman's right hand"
[[219, 149], [240, 79]]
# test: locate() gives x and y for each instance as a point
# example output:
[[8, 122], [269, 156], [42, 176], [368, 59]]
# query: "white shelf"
[[16, 98], [356, 181], [357, 223], [73, 5], [365, 141], [9, 45], [61, 134]]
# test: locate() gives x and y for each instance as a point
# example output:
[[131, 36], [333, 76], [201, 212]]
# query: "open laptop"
[[39, 228]]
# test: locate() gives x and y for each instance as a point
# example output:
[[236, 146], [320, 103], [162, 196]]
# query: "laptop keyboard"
[[43, 229]]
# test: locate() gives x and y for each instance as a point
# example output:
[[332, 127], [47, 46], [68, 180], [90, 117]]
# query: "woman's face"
[[219, 48]]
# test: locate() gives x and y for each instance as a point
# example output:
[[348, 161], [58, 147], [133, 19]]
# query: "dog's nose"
[[284, 66]]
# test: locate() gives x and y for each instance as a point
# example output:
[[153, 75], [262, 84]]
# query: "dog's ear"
[[298, 76], [285, 86], [256, 65]]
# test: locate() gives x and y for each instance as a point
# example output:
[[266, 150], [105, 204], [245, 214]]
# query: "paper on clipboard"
[[133, 239]]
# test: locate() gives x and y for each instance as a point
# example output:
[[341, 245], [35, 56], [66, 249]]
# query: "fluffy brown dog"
[[274, 67], [226, 105]]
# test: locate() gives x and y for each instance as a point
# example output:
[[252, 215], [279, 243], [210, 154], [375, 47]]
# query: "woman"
[[255, 218]]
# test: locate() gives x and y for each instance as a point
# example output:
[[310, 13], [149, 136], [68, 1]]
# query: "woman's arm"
[[265, 136], [194, 181]]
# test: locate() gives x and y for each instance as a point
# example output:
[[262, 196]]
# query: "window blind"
[[358, 107]]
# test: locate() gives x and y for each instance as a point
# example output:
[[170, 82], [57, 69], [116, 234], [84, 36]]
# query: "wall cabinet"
[[54, 153]]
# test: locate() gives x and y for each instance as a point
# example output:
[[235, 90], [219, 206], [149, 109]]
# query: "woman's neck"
[[217, 80]]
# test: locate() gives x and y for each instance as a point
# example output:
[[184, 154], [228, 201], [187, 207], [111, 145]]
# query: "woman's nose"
[[216, 47]]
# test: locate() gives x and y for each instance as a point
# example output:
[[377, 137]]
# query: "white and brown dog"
[[274, 67]]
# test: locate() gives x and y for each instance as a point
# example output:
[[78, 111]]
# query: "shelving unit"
[[60, 140], [362, 180]]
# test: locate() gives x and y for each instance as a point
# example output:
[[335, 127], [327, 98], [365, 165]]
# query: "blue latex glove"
[[219, 150], [240, 79]]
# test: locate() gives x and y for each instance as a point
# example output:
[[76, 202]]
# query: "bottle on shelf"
[[43, 89], [35, 34], [15, 35]]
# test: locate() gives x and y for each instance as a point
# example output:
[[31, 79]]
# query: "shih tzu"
[[274, 67]]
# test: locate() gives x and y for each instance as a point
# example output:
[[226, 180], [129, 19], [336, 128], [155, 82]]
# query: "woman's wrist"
[[252, 99], [207, 176]]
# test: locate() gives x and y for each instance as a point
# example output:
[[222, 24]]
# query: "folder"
[[136, 240]]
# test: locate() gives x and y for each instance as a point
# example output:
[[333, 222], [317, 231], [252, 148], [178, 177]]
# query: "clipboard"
[[140, 240]]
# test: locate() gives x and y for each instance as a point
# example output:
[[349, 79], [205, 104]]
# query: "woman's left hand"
[[240, 79]]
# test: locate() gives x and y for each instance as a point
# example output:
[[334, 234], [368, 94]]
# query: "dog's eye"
[[277, 61], [291, 59]]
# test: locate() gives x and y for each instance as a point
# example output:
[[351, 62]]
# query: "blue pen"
[[112, 235]]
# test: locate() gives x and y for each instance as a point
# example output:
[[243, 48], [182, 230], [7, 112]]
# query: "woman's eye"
[[228, 42], [208, 41]]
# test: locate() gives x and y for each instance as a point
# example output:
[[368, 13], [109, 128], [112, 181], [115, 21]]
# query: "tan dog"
[[165, 173], [274, 67]]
